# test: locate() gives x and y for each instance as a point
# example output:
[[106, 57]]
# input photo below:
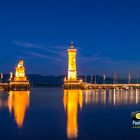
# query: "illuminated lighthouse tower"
[[72, 71], [72, 82]]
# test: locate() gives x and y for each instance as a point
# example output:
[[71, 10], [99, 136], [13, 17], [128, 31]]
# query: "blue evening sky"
[[106, 34]]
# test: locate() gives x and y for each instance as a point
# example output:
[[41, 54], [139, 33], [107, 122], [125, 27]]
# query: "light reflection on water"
[[113, 97], [73, 104], [74, 99], [17, 103]]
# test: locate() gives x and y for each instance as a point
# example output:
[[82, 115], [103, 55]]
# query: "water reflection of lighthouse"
[[18, 102], [72, 99]]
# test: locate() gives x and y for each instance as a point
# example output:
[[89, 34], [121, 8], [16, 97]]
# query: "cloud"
[[31, 45], [59, 53], [26, 44], [56, 53], [59, 50], [43, 56], [98, 59]]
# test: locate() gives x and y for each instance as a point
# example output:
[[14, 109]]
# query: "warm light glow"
[[11, 75], [18, 101], [20, 72], [113, 97], [71, 100], [65, 79], [10, 102], [72, 72]]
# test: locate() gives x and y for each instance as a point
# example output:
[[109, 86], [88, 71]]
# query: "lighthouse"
[[72, 70], [72, 81]]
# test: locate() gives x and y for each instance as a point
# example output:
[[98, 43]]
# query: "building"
[[72, 82], [20, 72], [19, 82]]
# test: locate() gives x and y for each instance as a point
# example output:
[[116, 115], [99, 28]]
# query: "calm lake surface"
[[57, 114]]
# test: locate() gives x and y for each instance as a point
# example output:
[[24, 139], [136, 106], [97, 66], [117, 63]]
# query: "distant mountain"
[[41, 80], [37, 79]]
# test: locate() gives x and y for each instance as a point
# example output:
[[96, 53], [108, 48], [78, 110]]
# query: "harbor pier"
[[4, 86], [111, 86], [72, 82]]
